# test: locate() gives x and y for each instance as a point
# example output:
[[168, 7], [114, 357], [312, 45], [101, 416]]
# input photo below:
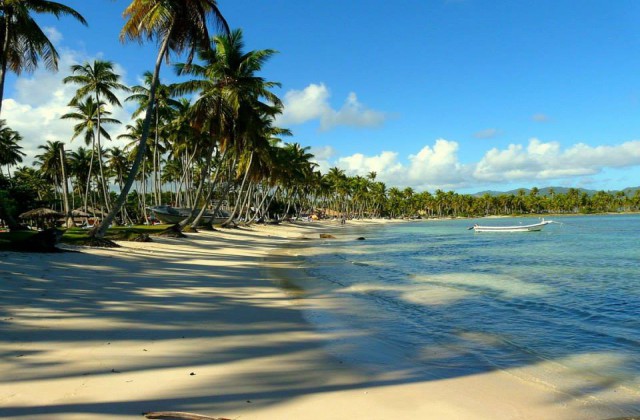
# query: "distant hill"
[[545, 191]]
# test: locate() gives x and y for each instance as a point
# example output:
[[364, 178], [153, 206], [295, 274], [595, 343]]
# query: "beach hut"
[[42, 216]]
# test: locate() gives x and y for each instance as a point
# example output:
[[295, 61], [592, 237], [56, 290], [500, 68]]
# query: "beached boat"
[[173, 215], [516, 228]]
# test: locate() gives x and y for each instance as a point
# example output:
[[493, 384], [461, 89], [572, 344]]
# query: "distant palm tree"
[[22, 41], [178, 25], [53, 163], [10, 150], [97, 80], [80, 166], [87, 116]]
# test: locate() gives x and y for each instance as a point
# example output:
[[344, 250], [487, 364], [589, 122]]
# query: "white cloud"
[[312, 103], [40, 99], [323, 153], [385, 164], [438, 166], [53, 34], [321, 156], [543, 161]]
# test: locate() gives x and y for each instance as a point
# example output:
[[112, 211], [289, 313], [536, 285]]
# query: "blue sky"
[[454, 94]]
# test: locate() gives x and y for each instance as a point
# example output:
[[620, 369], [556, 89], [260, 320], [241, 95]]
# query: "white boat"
[[517, 228], [173, 215]]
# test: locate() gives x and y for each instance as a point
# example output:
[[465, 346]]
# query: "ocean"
[[433, 300]]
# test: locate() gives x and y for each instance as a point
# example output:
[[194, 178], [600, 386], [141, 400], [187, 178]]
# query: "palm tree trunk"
[[100, 231], [247, 202], [5, 49], [65, 192], [196, 221], [246, 175], [103, 182], [203, 175]]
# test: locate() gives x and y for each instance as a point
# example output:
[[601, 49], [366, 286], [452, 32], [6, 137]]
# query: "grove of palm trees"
[[209, 141]]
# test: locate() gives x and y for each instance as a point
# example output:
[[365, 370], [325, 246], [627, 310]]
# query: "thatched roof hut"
[[41, 213], [79, 213]]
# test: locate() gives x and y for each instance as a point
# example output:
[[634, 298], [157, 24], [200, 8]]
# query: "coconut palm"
[[228, 107], [97, 80], [80, 168], [86, 113], [163, 108], [10, 150], [178, 26], [53, 165], [22, 41]]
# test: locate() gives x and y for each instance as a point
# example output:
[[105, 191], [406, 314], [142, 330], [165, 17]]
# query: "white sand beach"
[[197, 325]]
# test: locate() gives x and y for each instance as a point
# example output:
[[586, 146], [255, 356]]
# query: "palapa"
[[41, 213]]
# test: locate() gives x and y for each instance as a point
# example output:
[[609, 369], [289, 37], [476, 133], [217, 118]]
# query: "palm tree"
[[22, 41], [10, 151], [163, 109], [178, 25], [228, 106], [53, 162], [87, 116], [80, 168], [100, 81]]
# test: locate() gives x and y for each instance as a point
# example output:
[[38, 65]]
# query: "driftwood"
[[179, 415], [327, 236]]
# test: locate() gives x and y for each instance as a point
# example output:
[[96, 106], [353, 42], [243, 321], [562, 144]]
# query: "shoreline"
[[199, 325]]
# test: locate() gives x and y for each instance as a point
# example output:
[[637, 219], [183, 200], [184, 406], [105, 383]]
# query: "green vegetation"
[[19, 240]]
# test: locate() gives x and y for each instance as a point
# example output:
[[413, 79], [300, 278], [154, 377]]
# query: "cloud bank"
[[40, 99], [438, 166], [312, 103]]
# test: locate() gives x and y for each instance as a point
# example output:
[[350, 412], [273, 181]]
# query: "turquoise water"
[[559, 307]]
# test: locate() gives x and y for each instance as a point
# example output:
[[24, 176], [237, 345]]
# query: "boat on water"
[[515, 228], [173, 215]]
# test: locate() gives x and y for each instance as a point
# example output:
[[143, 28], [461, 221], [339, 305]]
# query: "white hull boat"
[[173, 215], [517, 228]]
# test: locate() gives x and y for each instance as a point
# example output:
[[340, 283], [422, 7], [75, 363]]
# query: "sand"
[[200, 325]]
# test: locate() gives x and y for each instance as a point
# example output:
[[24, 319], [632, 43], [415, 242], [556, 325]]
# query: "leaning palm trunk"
[[196, 221], [5, 53], [67, 211], [86, 188], [239, 199], [260, 209], [101, 229], [203, 176], [103, 182], [247, 202]]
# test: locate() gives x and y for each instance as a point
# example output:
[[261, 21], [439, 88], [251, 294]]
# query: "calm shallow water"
[[559, 307]]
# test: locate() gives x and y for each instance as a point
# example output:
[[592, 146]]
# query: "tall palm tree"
[[80, 168], [163, 109], [10, 150], [22, 41], [228, 106], [178, 25], [86, 113], [53, 163], [97, 80]]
